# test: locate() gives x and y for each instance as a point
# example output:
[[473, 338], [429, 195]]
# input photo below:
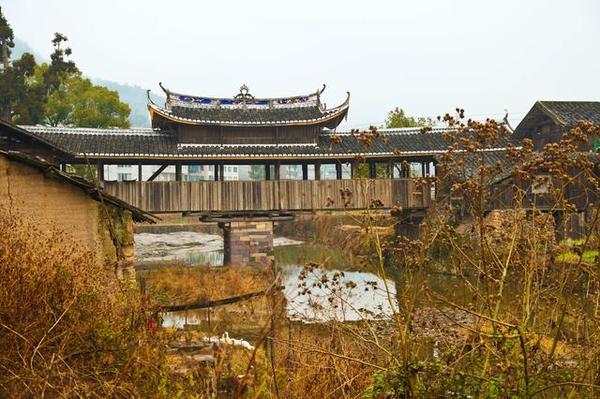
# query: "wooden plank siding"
[[273, 195]]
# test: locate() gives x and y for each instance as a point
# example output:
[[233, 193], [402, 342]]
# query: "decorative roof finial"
[[244, 94], [149, 98], [322, 90]]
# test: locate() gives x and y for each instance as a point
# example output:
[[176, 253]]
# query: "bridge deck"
[[288, 195]]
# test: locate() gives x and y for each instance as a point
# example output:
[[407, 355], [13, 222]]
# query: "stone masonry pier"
[[247, 239]]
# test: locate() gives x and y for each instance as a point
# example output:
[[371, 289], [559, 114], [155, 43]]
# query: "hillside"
[[133, 95]]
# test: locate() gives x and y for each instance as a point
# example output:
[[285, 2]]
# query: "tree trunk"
[[6, 111]]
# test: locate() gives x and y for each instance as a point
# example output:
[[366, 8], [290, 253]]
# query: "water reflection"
[[190, 247], [325, 295], [319, 295], [346, 296]]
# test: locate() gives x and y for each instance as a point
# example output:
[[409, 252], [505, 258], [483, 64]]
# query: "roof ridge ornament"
[[322, 90], [319, 92], [244, 95], [149, 99]]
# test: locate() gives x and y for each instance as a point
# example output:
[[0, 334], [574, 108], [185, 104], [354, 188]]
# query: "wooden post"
[[317, 170], [216, 171], [389, 170], [267, 171], [277, 170], [178, 172], [405, 171], [222, 171], [422, 169], [100, 171], [372, 170], [427, 169], [304, 171], [140, 178], [338, 170], [354, 169]]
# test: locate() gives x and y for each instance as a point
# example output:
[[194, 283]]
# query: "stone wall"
[[52, 203], [248, 243]]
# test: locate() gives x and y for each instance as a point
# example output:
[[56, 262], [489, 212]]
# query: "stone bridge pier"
[[247, 238]]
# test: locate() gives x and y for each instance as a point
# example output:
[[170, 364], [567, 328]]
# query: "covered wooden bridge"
[[295, 160], [190, 161], [273, 195]]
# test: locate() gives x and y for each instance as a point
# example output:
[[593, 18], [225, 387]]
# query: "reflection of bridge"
[[271, 195]]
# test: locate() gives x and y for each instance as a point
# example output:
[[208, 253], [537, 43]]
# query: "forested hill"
[[133, 95], [23, 47]]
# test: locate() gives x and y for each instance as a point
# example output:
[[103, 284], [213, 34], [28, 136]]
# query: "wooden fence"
[[273, 195]]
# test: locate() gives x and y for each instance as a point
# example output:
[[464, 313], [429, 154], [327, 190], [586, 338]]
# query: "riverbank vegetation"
[[68, 326], [484, 303]]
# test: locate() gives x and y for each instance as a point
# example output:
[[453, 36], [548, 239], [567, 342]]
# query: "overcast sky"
[[426, 56]]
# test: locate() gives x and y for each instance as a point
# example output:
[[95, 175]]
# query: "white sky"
[[426, 56]]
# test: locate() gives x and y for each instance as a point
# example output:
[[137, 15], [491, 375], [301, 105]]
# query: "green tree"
[[257, 172], [78, 102], [30, 107], [397, 119], [14, 85], [60, 68], [12, 76], [6, 39]]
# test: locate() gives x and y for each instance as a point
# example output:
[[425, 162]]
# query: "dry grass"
[[183, 284], [68, 327]]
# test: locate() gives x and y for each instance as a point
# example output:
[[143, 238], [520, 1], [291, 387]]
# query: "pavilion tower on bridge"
[[245, 119]]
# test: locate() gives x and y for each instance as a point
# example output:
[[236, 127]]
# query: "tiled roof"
[[564, 113], [492, 157], [149, 143], [567, 113], [241, 115], [246, 110], [251, 116]]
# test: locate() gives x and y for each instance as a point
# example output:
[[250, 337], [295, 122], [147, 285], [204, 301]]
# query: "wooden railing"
[[273, 195]]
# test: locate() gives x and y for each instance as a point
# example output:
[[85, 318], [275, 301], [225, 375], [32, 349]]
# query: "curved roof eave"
[[168, 92], [330, 115]]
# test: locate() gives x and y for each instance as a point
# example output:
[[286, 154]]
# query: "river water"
[[312, 294]]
